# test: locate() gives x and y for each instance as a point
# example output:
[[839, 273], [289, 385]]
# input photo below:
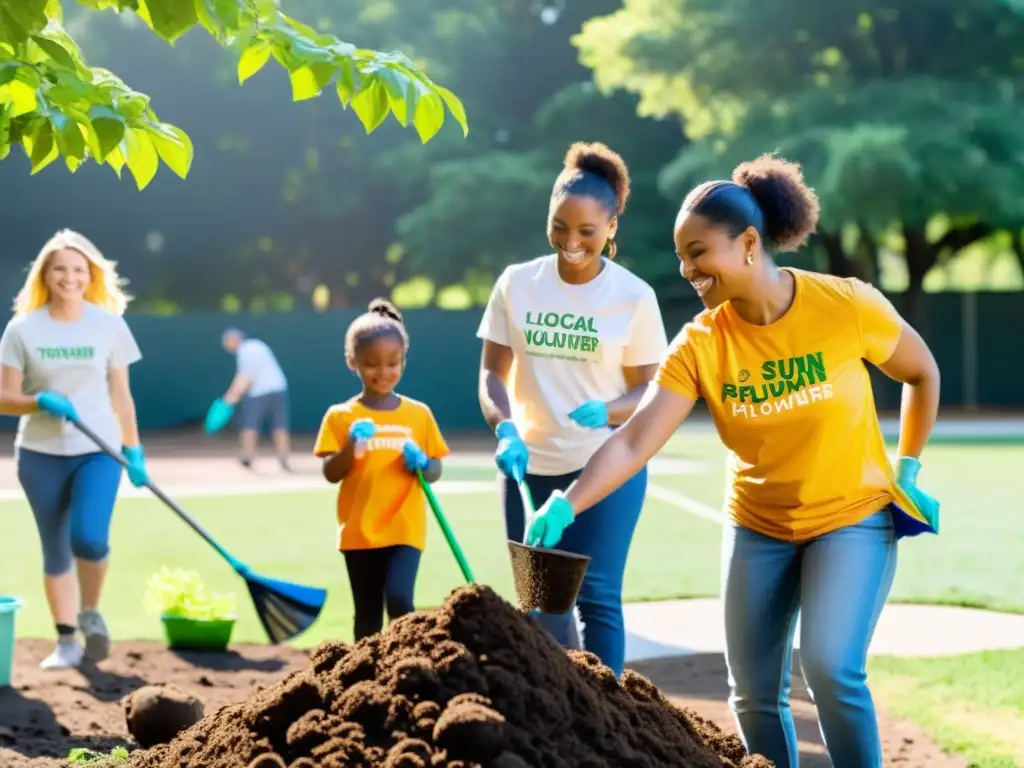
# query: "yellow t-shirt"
[[792, 401], [381, 503]]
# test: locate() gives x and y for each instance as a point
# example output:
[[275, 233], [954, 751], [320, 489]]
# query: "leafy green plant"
[[180, 592], [90, 757]]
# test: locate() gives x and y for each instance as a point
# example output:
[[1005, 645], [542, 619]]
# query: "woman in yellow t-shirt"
[[373, 444], [814, 507]]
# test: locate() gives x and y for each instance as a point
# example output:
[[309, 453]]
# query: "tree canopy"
[[54, 104], [902, 117]]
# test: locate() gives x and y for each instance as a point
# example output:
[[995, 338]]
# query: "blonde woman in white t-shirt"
[[570, 342], [66, 352]]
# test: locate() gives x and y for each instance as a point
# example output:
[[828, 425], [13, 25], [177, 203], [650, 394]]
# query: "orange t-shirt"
[[792, 401], [381, 503]]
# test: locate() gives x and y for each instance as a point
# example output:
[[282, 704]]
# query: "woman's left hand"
[[547, 524], [593, 414], [136, 458], [414, 457]]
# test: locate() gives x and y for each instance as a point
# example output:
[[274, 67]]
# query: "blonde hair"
[[106, 287]]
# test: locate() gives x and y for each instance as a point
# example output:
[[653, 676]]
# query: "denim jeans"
[[603, 533], [838, 583]]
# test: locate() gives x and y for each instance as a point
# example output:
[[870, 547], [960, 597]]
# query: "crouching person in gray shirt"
[[66, 354]]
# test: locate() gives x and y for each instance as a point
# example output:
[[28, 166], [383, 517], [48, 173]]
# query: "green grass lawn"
[[977, 560]]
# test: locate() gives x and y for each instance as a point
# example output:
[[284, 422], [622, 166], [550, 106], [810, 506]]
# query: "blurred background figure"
[[260, 391]]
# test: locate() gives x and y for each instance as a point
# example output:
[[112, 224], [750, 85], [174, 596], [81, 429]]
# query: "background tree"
[[904, 118]]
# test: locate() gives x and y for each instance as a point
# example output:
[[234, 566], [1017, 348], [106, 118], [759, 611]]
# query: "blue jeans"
[[603, 533], [72, 498], [838, 583]]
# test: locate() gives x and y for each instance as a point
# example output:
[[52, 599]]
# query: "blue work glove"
[[136, 458], [362, 429], [547, 524], [593, 414], [57, 405], [218, 416], [907, 468], [414, 457], [511, 456]]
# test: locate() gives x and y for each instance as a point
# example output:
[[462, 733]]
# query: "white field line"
[[447, 487]]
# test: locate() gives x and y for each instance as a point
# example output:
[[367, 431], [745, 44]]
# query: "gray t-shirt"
[[74, 359], [257, 361]]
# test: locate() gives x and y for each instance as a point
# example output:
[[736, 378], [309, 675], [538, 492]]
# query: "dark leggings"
[[381, 577]]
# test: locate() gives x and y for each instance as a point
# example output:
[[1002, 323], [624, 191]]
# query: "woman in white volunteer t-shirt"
[[66, 354], [570, 342]]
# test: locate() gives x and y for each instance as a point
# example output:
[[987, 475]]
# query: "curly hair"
[[596, 171], [767, 193], [381, 319]]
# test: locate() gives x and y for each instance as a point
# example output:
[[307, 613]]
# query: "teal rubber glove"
[[57, 405], [511, 455], [136, 469], [414, 457], [593, 414], [907, 469], [547, 524], [361, 429], [218, 416]]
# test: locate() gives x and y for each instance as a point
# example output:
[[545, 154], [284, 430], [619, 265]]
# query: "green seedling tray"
[[197, 634]]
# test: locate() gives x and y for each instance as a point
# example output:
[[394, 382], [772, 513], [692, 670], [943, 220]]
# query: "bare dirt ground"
[[46, 714]]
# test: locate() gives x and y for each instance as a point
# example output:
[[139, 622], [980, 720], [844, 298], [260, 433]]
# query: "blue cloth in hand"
[[907, 469], [218, 415]]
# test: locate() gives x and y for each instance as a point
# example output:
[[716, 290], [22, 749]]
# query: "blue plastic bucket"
[[8, 607]]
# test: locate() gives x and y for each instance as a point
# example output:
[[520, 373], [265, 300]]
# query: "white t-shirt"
[[571, 343], [256, 361], [74, 359]]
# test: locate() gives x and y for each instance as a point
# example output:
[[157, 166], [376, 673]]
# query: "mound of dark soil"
[[472, 684]]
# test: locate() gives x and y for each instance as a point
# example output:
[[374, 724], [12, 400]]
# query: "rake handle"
[[449, 535], [108, 449]]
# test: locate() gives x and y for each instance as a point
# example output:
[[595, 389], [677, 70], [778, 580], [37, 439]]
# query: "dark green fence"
[[184, 367]]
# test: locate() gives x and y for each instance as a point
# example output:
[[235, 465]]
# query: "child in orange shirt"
[[373, 444]]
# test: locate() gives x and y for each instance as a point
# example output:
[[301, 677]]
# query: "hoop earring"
[[750, 258], [613, 248]]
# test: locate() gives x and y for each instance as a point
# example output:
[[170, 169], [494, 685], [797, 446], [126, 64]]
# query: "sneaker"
[[65, 656], [97, 638]]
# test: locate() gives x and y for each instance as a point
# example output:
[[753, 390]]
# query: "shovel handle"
[[527, 499], [449, 535]]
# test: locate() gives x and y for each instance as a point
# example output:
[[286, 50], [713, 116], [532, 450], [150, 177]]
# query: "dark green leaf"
[[219, 17], [108, 127], [70, 140], [60, 55], [43, 148], [170, 19]]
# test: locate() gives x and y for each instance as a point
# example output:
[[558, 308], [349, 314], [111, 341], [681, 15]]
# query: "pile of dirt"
[[472, 684], [155, 714]]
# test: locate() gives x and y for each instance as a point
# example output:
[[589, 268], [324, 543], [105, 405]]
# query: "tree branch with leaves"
[[55, 105]]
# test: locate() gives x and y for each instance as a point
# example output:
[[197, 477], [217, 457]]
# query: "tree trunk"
[[867, 251], [1017, 238], [838, 262], [920, 256]]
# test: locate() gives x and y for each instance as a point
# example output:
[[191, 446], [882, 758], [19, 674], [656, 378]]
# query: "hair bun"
[[789, 206], [385, 308], [601, 160]]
